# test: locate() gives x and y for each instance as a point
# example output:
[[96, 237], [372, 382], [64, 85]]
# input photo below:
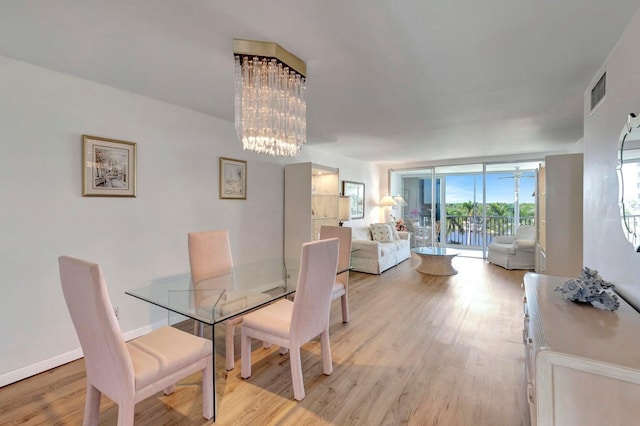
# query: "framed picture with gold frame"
[[233, 179], [108, 167]]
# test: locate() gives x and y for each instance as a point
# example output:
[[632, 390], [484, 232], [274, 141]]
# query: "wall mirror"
[[629, 179]]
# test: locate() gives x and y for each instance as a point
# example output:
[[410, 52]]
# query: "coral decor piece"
[[590, 288]]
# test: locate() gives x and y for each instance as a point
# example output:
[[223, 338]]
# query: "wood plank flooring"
[[419, 350]]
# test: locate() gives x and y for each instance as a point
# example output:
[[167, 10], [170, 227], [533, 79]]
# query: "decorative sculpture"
[[590, 288]]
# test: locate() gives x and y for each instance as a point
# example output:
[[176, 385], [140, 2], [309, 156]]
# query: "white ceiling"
[[387, 80]]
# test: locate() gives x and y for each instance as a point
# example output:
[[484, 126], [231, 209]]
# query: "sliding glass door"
[[465, 206]]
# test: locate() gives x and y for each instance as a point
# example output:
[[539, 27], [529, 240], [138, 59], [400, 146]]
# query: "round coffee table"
[[436, 261]]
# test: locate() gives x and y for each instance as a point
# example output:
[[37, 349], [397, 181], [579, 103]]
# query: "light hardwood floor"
[[419, 350]]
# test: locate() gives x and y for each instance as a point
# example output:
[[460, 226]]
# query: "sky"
[[500, 188]]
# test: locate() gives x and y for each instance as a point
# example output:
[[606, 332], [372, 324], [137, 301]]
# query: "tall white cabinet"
[[311, 194], [559, 219]]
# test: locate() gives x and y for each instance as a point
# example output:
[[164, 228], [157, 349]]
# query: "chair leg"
[[91, 406], [170, 389], [229, 345], [344, 300], [327, 366], [198, 328], [126, 411], [296, 373], [245, 356], [207, 390]]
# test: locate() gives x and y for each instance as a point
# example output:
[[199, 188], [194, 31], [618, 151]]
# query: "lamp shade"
[[344, 209], [398, 199], [387, 200]]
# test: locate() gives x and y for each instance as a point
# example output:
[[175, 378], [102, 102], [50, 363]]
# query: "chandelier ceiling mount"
[[270, 104]]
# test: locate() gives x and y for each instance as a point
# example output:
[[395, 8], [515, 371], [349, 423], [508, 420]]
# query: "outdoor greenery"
[[469, 216], [469, 208]]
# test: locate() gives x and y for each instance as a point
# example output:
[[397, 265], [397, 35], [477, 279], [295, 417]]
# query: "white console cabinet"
[[582, 364]]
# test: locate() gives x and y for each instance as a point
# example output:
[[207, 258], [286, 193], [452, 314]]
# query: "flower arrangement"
[[399, 224], [414, 214]]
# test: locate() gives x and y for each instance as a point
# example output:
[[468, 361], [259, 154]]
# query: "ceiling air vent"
[[598, 91]]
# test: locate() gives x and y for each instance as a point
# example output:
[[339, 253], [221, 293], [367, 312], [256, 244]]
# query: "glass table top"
[[218, 298], [435, 251]]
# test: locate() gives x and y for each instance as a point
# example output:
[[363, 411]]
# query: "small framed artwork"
[[108, 167], [355, 190], [233, 179]]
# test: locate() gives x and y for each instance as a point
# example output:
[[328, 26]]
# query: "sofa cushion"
[[389, 247], [381, 232], [503, 248], [361, 233], [366, 249], [394, 231]]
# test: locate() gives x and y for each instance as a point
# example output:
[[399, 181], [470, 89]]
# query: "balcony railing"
[[470, 230], [632, 230]]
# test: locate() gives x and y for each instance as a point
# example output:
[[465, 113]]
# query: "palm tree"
[[527, 210], [454, 214], [500, 210], [474, 217], [470, 207]]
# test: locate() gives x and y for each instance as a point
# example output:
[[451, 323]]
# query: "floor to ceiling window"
[[465, 206]]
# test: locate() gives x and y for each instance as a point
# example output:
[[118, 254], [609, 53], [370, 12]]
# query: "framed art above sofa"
[[355, 190]]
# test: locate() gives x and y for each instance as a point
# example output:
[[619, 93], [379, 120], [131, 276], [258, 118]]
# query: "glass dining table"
[[222, 297]]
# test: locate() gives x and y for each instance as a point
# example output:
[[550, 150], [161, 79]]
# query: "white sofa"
[[375, 257], [514, 251]]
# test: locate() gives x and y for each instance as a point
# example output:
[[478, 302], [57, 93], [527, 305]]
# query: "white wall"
[[43, 115], [605, 248]]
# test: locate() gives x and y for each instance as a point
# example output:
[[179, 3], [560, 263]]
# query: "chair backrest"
[[422, 235], [343, 233], [526, 232], [107, 360], [312, 304], [209, 254]]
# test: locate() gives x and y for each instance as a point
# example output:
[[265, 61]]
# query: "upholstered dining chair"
[[341, 285], [127, 372], [210, 257], [291, 324]]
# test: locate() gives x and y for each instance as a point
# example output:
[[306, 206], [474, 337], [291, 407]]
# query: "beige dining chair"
[[341, 285], [127, 372], [291, 324], [210, 257]]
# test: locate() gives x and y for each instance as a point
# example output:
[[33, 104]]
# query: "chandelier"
[[270, 100]]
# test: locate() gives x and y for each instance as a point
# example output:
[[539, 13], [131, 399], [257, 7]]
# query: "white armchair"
[[514, 251]]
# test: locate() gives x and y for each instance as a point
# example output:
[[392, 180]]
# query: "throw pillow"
[[381, 232], [394, 231]]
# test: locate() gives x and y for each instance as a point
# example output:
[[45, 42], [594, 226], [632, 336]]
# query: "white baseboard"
[[58, 360], [39, 367]]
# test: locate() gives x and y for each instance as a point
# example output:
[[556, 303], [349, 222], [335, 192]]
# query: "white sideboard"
[[582, 364]]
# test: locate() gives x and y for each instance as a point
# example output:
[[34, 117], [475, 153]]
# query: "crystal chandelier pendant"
[[270, 105]]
